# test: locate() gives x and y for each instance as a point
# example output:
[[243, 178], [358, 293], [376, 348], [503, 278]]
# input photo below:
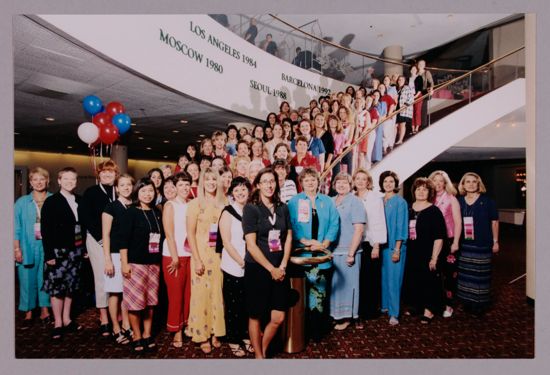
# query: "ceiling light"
[[137, 132], [202, 135], [513, 125], [148, 148], [49, 118], [16, 133], [175, 131], [141, 138], [492, 157], [497, 126], [165, 156], [133, 123], [69, 147], [184, 121], [166, 141]]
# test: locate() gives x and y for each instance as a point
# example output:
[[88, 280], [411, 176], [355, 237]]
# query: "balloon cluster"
[[108, 123]]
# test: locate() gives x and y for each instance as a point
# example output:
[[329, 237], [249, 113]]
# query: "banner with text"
[[197, 56]]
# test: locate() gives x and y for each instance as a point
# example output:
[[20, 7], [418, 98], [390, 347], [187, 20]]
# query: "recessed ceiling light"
[[513, 125], [165, 156], [492, 157], [16, 133], [175, 131], [148, 148], [141, 138], [137, 132], [202, 135], [133, 123], [166, 141], [69, 147], [49, 118], [497, 126], [184, 121]]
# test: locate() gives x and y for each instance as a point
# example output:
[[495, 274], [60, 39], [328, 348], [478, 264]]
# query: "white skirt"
[[113, 284]]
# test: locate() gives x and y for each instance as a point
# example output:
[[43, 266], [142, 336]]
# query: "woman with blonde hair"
[[446, 201], [206, 315], [28, 248], [479, 241]]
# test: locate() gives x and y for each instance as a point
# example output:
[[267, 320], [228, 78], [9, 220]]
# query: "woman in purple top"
[[446, 201]]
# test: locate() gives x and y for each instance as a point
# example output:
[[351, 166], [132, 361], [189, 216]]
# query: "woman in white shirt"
[[232, 265], [374, 235], [176, 257]]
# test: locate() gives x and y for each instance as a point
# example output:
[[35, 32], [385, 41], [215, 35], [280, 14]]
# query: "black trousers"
[[236, 316], [370, 284]]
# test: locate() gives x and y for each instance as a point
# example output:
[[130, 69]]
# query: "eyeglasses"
[[267, 182]]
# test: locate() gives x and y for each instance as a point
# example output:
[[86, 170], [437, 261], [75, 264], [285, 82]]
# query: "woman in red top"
[[303, 159]]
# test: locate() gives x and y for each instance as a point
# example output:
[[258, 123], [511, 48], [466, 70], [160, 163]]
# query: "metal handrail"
[[360, 53], [396, 112]]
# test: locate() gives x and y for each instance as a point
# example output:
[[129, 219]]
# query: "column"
[[393, 53], [119, 154]]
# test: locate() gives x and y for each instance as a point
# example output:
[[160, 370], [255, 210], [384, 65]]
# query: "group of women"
[[378, 244], [220, 231]]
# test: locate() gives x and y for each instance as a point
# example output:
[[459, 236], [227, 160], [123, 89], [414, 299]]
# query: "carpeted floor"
[[506, 331]]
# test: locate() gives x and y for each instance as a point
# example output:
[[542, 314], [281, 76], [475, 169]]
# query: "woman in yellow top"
[[206, 317]]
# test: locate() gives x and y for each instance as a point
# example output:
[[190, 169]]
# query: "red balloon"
[[102, 119], [108, 134], [114, 108]]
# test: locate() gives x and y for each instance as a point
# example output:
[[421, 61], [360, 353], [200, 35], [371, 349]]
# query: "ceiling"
[[52, 76], [373, 32]]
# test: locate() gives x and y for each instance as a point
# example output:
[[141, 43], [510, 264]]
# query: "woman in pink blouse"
[[446, 201]]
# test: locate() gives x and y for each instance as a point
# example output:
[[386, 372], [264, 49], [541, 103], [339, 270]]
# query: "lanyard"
[[105, 191], [148, 222], [37, 211]]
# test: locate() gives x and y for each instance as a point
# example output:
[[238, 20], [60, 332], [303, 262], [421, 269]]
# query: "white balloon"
[[88, 132]]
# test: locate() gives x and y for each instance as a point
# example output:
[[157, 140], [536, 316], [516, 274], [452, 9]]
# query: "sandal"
[[177, 344], [237, 350], [57, 333], [248, 346], [149, 343], [138, 345], [27, 323], [206, 348], [359, 325], [342, 326], [216, 343], [426, 319], [120, 338], [104, 330], [72, 327], [128, 333], [46, 320]]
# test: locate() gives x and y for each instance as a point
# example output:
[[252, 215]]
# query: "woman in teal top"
[[315, 223], [28, 249], [395, 250]]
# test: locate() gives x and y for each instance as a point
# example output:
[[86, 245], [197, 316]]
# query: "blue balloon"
[[123, 122], [92, 104]]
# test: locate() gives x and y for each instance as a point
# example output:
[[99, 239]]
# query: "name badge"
[[212, 235], [303, 211], [154, 243], [298, 169], [412, 229], [274, 240], [37, 232], [468, 228]]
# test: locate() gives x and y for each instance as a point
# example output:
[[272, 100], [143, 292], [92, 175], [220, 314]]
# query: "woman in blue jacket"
[[28, 249], [315, 224]]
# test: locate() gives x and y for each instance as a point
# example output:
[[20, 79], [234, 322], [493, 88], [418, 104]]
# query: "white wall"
[[178, 51]]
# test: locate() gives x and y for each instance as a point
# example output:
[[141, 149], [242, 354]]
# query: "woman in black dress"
[[63, 250], [422, 285], [268, 236]]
